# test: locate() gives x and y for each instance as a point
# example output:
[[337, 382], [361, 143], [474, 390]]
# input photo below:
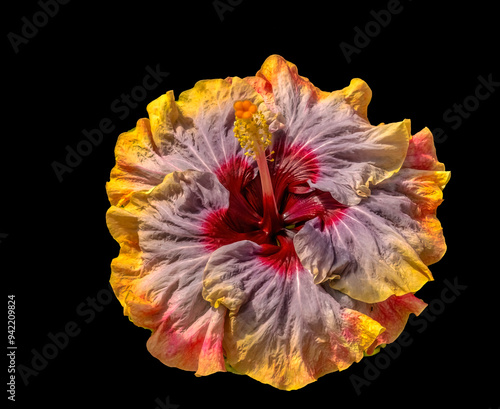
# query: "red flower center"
[[248, 216]]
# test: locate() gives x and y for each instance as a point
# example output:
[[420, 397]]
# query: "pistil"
[[251, 129]]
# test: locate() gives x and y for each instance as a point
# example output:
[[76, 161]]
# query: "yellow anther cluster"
[[251, 129]]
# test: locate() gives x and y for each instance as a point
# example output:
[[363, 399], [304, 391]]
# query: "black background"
[[56, 249]]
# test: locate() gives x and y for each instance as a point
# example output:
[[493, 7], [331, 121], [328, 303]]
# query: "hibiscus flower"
[[268, 229]]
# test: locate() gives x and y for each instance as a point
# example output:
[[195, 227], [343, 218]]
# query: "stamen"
[[250, 127], [252, 131]]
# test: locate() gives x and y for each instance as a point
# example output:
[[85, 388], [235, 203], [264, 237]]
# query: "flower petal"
[[364, 254], [416, 194], [194, 133], [384, 243], [422, 152], [353, 162], [283, 329], [158, 274], [392, 313], [138, 167], [192, 340], [417, 189], [332, 130], [358, 95], [208, 135]]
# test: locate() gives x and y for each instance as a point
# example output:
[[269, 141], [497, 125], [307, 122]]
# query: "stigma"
[[251, 129]]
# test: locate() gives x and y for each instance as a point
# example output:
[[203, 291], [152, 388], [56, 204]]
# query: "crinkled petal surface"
[[362, 255], [158, 275], [382, 246], [195, 132], [283, 329], [331, 129], [421, 180], [392, 313]]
